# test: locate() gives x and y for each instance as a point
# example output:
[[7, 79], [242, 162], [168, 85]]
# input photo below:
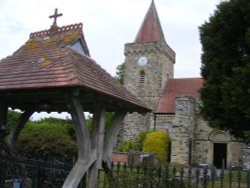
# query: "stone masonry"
[[160, 57], [181, 132], [193, 141]]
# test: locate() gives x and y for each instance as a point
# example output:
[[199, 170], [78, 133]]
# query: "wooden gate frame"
[[92, 149]]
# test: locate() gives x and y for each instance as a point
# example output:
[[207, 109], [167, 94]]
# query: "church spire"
[[150, 30]]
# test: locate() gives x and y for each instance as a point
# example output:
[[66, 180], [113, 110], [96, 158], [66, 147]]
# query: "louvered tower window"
[[142, 77]]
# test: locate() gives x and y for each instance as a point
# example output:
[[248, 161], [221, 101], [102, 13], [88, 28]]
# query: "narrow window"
[[142, 77]]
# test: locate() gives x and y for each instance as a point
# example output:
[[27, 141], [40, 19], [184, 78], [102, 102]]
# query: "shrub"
[[56, 145], [32, 127], [134, 144], [51, 136], [139, 139], [126, 146], [158, 142]]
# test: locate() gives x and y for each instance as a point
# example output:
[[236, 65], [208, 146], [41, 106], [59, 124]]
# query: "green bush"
[[51, 136], [126, 146], [32, 127], [158, 142], [139, 139], [56, 145], [134, 144]]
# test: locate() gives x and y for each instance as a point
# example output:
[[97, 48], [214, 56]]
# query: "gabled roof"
[[175, 87], [150, 30], [47, 61]]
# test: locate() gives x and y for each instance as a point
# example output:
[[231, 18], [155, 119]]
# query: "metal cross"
[[55, 16]]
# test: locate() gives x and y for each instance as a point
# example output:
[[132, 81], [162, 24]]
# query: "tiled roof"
[[150, 30], [47, 61], [175, 87]]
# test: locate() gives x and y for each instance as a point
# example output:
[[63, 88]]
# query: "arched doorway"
[[219, 141]]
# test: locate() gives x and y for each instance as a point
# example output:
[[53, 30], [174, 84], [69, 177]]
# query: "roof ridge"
[[185, 78], [66, 28]]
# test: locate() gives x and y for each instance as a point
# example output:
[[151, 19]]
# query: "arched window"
[[142, 77]]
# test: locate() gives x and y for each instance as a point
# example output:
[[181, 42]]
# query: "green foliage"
[[158, 142], [52, 136], [45, 141], [108, 119], [13, 116], [126, 146], [139, 139], [149, 176], [134, 144], [120, 73], [225, 68], [89, 121], [32, 127]]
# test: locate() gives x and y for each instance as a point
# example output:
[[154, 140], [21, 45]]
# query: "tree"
[[120, 73], [225, 40], [13, 117]]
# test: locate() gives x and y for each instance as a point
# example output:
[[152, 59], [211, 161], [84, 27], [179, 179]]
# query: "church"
[[149, 67]]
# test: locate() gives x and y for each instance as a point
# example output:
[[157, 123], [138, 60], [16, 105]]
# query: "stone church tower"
[[148, 65]]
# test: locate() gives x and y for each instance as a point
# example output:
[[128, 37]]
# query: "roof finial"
[[55, 16]]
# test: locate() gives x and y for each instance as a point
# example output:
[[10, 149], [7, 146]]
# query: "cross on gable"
[[55, 16]]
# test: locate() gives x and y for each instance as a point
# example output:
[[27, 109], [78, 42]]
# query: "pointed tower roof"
[[150, 30]]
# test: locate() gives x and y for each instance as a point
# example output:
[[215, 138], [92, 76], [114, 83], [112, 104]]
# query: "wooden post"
[[16, 129], [86, 156], [111, 136], [97, 144], [91, 151], [3, 120]]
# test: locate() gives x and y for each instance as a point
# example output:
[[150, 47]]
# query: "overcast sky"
[[109, 24]]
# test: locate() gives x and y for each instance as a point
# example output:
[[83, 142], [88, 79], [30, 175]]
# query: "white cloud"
[[108, 25]]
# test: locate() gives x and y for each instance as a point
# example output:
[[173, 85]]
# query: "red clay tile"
[[174, 87], [150, 30], [47, 61]]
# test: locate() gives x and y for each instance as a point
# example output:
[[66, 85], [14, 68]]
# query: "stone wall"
[[164, 122], [182, 130], [189, 133], [204, 139], [133, 124], [235, 152], [157, 70], [201, 143], [246, 157]]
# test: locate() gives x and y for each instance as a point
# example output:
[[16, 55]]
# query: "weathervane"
[[55, 16]]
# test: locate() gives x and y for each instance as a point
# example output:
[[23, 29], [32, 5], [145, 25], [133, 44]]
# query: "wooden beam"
[[79, 169], [3, 120], [86, 157], [97, 143], [111, 136], [16, 129], [82, 132]]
